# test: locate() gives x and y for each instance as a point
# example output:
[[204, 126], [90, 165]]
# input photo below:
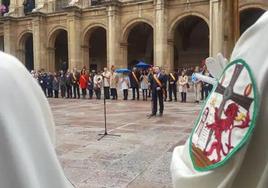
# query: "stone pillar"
[[113, 44], [170, 55], [39, 44], [10, 37], [51, 5], [16, 8], [224, 26], [74, 38], [230, 22], [215, 22], [41, 6], [160, 36], [123, 54]]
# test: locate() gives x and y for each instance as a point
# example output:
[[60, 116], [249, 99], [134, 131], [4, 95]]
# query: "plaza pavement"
[[139, 158]]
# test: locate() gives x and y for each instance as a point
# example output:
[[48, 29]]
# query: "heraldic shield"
[[227, 119]]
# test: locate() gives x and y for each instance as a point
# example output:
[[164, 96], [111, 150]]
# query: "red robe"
[[83, 81]]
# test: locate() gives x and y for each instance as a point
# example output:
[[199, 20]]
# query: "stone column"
[[39, 44], [113, 44], [170, 55], [230, 22], [160, 36], [74, 38], [224, 26], [41, 6], [123, 54], [10, 37], [16, 8], [216, 34]]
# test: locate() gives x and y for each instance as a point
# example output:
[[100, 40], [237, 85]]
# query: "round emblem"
[[227, 119]]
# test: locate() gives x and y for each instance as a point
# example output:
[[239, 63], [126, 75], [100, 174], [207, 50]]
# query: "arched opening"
[[97, 51], [2, 47], [29, 53], [140, 44], [191, 42], [61, 50], [25, 50], [248, 17]]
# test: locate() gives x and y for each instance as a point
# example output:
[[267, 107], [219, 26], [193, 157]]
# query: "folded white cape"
[[27, 154]]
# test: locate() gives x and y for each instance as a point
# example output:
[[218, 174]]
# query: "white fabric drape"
[[249, 167], [27, 154]]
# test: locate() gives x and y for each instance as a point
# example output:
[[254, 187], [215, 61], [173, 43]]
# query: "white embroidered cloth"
[[249, 166]]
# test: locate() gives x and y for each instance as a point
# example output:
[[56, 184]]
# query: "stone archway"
[[95, 48], [140, 44], [58, 50], [248, 17], [190, 42], [25, 50]]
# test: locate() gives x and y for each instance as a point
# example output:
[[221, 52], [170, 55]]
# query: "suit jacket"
[[154, 84], [133, 81], [171, 81]]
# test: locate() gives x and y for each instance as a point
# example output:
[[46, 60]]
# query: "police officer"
[[172, 85], [157, 81]]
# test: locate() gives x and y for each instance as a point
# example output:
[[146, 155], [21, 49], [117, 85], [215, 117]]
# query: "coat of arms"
[[227, 119]]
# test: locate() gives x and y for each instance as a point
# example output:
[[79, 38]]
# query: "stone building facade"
[[96, 33]]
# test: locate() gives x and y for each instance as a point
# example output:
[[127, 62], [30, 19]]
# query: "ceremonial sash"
[[146, 80], [160, 85], [157, 81], [84, 78], [135, 77], [75, 80], [172, 76]]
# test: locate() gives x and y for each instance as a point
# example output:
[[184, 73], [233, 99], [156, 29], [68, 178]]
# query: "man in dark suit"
[[157, 81], [172, 85], [134, 82], [75, 82]]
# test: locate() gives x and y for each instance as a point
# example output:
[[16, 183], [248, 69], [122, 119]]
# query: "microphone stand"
[[105, 122]]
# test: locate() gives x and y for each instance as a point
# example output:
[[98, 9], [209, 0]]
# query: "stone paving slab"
[[139, 158]]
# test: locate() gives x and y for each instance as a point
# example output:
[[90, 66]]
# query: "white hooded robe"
[[27, 154], [248, 168]]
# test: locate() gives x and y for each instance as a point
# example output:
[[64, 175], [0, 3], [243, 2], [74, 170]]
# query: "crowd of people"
[[85, 83]]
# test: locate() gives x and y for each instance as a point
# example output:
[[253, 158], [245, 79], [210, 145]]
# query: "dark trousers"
[[202, 93], [134, 90], [125, 92], [76, 90], [84, 93], [62, 90], [69, 91], [98, 93], [90, 93], [107, 92], [157, 95], [207, 90], [165, 93], [114, 93], [183, 97], [50, 92], [172, 89], [144, 94], [56, 93]]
